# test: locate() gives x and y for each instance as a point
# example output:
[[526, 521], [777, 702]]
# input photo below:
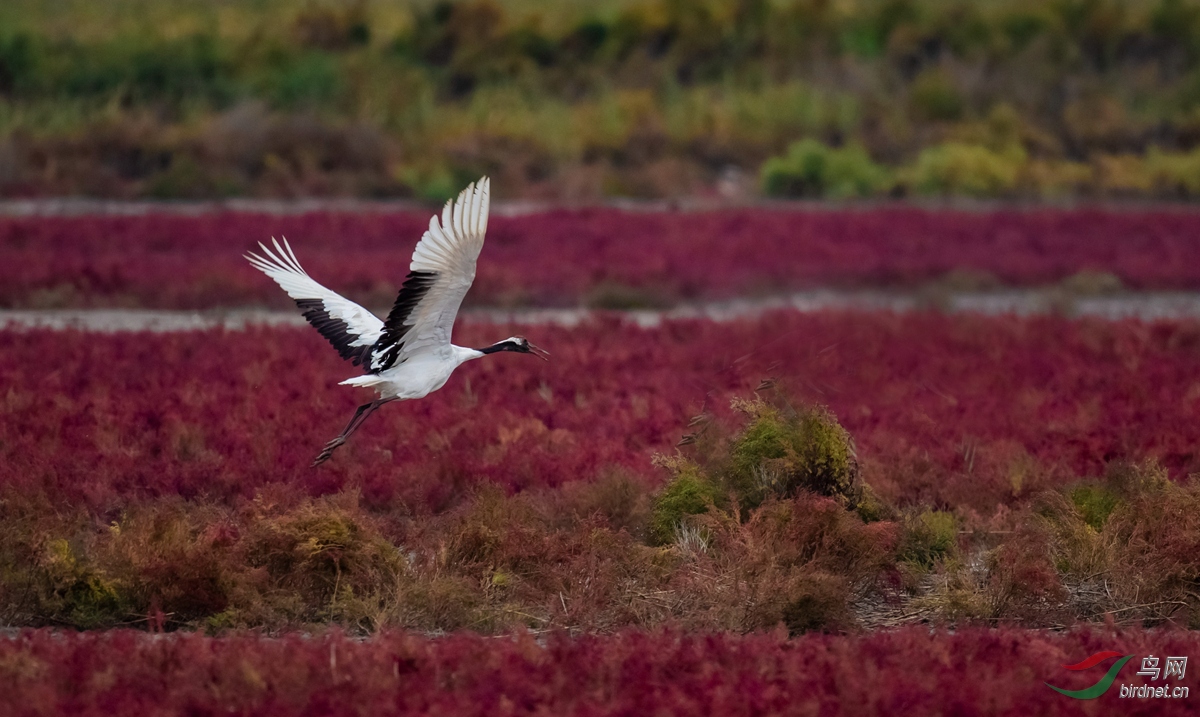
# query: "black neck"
[[502, 346]]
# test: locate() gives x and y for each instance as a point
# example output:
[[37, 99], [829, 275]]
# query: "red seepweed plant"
[[964, 411], [601, 257], [914, 670]]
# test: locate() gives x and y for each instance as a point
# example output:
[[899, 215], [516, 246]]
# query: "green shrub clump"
[[956, 168], [1175, 174], [780, 452], [1094, 503], [79, 593], [812, 169], [689, 493], [929, 538]]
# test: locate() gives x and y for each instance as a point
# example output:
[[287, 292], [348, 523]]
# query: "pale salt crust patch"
[[1145, 306]]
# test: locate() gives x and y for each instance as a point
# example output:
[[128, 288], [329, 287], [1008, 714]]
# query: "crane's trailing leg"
[[360, 416]]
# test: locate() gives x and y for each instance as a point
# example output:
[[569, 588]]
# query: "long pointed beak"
[[540, 353]]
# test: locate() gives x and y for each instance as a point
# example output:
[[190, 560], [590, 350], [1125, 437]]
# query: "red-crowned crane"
[[409, 355]]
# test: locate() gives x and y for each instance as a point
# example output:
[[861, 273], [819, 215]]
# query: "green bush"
[[311, 79], [436, 183], [781, 452], [955, 168], [18, 62], [1094, 503], [195, 69], [811, 169], [80, 594], [1175, 173], [690, 492], [929, 537], [871, 508], [723, 85], [935, 97]]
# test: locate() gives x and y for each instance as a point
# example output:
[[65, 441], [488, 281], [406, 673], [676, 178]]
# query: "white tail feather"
[[371, 379]]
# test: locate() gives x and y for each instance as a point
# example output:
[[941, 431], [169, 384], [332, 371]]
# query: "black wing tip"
[[416, 285], [336, 331]]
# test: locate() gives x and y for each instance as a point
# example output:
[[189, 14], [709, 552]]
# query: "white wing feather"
[[449, 250], [285, 269]]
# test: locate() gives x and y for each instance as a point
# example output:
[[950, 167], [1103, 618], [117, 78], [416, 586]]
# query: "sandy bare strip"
[[1146, 306]]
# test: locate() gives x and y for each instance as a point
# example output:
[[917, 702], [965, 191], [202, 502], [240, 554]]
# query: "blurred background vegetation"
[[597, 98]]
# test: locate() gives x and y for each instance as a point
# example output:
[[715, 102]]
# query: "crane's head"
[[519, 344]]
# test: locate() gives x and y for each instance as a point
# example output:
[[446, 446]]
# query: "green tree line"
[[643, 98]]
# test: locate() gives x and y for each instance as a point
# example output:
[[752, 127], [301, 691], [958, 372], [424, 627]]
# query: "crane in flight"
[[408, 355]]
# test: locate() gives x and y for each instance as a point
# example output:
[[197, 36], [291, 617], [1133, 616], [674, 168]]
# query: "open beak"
[[543, 355]]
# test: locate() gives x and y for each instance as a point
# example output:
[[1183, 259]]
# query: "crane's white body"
[[410, 354], [417, 377]]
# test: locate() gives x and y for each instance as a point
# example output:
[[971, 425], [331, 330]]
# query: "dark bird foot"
[[360, 415], [327, 452]]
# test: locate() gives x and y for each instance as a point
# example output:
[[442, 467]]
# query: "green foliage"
[[1122, 549], [769, 511], [1094, 503], [139, 70], [866, 33], [308, 80], [811, 169], [783, 450], [576, 557], [779, 453], [935, 97], [80, 593], [930, 537], [688, 493], [178, 564], [717, 85], [1176, 174], [18, 60], [437, 184], [955, 168], [1137, 530], [1021, 25], [871, 508]]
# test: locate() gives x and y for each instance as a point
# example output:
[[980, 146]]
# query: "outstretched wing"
[[441, 272], [351, 329]]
